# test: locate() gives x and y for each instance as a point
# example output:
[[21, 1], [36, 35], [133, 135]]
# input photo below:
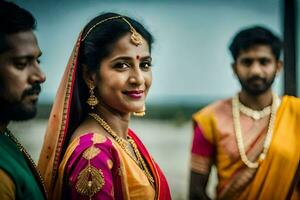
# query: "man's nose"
[[37, 75]]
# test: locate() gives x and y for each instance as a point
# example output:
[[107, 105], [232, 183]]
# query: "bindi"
[[138, 57]]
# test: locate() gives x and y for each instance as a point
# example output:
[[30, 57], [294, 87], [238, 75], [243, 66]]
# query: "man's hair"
[[13, 19], [252, 36]]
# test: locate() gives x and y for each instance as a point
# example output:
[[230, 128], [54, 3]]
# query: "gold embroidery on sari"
[[90, 180], [91, 152], [110, 164]]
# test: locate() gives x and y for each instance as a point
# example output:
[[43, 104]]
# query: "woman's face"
[[125, 76]]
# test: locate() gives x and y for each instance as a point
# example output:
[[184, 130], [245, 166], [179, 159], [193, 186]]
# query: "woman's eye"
[[121, 66], [146, 65]]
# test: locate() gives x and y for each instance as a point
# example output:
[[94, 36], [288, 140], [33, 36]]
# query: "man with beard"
[[252, 138], [20, 79]]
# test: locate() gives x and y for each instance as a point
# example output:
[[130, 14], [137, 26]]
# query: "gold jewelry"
[[239, 136], [140, 113], [32, 164], [140, 158], [255, 114], [136, 38], [124, 145], [92, 100]]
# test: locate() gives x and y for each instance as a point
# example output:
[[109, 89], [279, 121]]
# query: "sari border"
[[66, 112], [149, 160]]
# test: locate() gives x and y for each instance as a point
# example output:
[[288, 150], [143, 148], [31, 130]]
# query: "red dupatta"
[[162, 188]]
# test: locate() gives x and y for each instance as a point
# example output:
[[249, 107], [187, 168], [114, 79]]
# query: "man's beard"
[[250, 88], [17, 110]]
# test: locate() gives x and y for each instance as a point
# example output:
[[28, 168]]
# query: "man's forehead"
[[22, 44], [256, 51]]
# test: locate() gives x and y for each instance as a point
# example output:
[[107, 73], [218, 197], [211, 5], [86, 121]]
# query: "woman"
[[89, 152]]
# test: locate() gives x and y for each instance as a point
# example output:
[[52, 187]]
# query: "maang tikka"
[[135, 37]]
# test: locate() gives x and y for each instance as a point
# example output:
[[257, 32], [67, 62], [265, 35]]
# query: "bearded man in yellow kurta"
[[253, 138]]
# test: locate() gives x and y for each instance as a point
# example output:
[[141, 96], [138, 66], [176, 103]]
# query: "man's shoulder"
[[219, 106], [293, 99], [292, 102]]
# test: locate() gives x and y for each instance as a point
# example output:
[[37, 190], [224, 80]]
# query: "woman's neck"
[[117, 121]]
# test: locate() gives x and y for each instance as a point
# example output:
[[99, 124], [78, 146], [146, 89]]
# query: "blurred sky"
[[190, 55]]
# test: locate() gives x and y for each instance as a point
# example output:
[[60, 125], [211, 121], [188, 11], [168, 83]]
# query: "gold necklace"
[[124, 145], [255, 114], [37, 173], [239, 136]]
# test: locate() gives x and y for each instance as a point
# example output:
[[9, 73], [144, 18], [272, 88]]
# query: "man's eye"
[[247, 62], [264, 61], [21, 65]]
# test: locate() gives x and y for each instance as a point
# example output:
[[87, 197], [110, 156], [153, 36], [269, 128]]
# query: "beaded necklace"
[[255, 114], [239, 135]]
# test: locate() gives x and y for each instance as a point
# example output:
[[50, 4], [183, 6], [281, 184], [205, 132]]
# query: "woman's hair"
[[99, 38], [99, 42]]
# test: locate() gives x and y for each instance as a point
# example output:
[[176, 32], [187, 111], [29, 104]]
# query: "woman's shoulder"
[[94, 158], [90, 149], [91, 140]]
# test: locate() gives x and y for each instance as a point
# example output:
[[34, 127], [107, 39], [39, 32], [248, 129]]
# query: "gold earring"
[[140, 113], [92, 100]]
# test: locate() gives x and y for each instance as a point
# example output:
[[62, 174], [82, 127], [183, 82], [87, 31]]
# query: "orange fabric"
[[161, 184], [236, 181], [59, 183], [7, 186], [215, 122], [275, 175], [57, 125], [137, 186]]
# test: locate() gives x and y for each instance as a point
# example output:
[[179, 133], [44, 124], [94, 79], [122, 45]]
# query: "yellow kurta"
[[273, 178]]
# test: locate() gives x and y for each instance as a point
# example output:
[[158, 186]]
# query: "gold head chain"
[[136, 38]]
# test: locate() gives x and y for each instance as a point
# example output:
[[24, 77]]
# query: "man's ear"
[[233, 67], [88, 78], [279, 65]]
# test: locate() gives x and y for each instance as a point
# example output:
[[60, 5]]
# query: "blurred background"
[[192, 64]]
